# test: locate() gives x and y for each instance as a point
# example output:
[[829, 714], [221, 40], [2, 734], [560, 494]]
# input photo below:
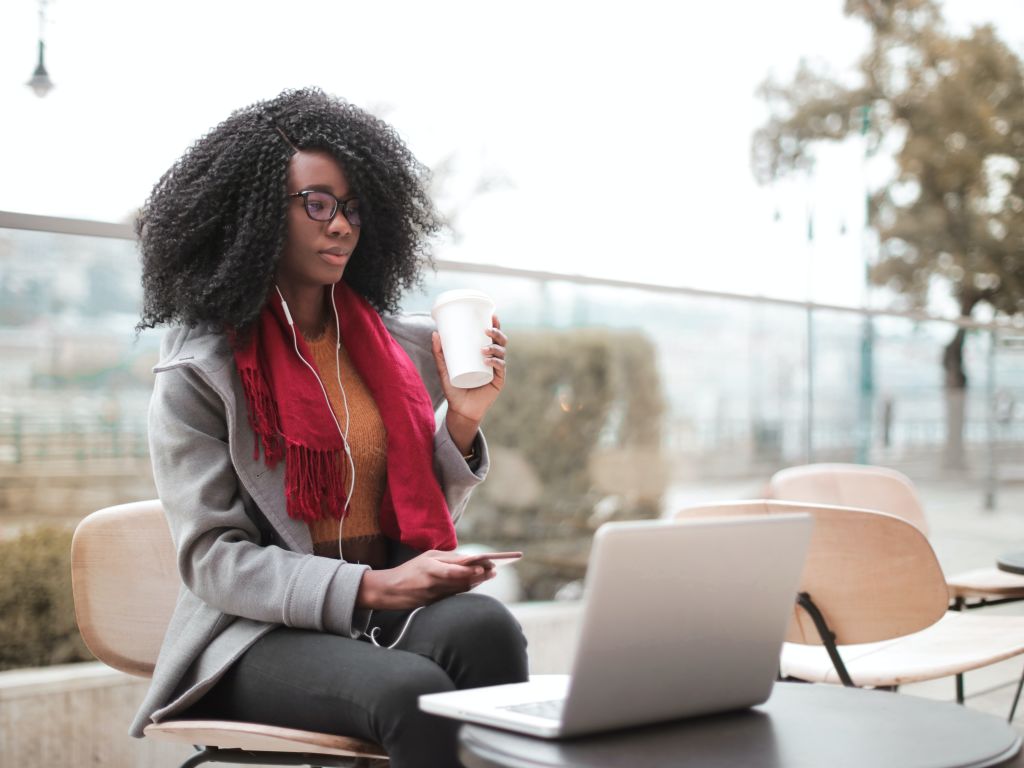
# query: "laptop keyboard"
[[551, 710]]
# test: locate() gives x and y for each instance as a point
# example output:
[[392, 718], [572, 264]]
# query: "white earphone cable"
[[337, 362], [343, 433], [375, 631]]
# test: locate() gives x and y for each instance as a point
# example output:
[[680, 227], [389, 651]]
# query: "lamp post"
[[40, 83], [866, 389]]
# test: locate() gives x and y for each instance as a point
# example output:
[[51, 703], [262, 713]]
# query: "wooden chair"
[[886, 490], [871, 609], [125, 581]]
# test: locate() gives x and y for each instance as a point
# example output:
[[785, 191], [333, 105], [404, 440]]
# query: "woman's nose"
[[339, 225]]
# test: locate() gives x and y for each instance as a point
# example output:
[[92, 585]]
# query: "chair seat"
[[229, 734], [957, 643], [986, 582]]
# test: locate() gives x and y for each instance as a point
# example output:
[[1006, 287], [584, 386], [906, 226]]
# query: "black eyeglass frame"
[[346, 211]]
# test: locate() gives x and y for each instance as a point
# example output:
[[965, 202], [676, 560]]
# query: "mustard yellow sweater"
[[361, 538]]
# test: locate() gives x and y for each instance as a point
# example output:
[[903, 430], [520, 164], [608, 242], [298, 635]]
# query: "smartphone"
[[478, 557]]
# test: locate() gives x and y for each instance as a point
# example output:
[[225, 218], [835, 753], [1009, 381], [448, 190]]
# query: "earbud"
[[287, 313]]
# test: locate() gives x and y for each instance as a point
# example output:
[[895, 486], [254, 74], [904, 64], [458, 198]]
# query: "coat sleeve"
[[457, 477], [220, 556]]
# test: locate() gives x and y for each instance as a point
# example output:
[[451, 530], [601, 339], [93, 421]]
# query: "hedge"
[[37, 615], [575, 440]]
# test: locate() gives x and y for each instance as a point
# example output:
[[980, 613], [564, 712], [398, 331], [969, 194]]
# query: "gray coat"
[[246, 566]]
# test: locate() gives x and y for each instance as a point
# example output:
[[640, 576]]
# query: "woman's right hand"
[[424, 579]]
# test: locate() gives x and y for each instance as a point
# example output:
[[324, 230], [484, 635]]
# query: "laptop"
[[680, 618]]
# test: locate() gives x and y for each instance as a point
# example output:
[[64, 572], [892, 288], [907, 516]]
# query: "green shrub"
[[37, 614], [575, 440]]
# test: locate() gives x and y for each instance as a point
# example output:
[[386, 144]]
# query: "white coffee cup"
[[463, 317]]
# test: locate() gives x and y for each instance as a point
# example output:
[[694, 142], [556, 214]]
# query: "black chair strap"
[[828, 637]]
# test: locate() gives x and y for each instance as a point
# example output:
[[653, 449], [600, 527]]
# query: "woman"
[[311, 500]]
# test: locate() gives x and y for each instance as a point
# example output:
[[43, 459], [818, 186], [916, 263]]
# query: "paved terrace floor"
[[965, 536]]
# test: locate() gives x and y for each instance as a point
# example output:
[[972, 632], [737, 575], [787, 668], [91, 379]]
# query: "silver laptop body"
[[679, 619]]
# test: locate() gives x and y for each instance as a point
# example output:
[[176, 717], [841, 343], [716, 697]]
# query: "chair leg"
[[1016, 698], [204, 756], [960, 688]]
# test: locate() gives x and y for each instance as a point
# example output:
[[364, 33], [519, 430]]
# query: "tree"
[[951, 109]]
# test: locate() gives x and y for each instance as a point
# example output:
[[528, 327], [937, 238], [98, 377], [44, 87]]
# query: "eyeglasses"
[[322, 206]]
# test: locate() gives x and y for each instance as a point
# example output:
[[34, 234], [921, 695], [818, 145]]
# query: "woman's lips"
[[338, 258]]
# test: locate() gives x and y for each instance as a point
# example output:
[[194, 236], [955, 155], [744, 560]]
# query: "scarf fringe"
[[314, 482], [263, 418]]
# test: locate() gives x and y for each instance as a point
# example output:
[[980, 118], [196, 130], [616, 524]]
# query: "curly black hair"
[[213, 229]]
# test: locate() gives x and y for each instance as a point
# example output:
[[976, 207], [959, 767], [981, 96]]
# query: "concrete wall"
[[78, 714]]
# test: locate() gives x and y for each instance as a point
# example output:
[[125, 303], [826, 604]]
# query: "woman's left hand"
[[466, 407]]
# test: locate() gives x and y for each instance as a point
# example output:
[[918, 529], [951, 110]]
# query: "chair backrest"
[[125, 581], [872, 575], [851, 485]]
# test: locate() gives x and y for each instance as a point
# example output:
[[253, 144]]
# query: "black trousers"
[[320, 682]]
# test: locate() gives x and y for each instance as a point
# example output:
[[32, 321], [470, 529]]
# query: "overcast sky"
[[620, 130]]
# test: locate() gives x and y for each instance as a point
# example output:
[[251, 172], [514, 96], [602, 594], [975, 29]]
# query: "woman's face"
[[316, 252]]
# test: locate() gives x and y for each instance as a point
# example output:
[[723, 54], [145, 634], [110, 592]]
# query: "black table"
[[1012, 562], [800, 726]]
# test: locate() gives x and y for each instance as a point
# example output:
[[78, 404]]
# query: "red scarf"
[[291, 419]]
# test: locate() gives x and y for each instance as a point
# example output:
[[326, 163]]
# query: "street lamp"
[[41, 84]]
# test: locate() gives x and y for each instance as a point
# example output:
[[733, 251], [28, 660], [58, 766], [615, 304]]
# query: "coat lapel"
[[210, 356]]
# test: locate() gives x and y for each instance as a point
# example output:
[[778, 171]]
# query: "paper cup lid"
[[461, 294]]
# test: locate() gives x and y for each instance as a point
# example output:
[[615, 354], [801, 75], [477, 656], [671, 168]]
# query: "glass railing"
[[752, 384], [621, 397]]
